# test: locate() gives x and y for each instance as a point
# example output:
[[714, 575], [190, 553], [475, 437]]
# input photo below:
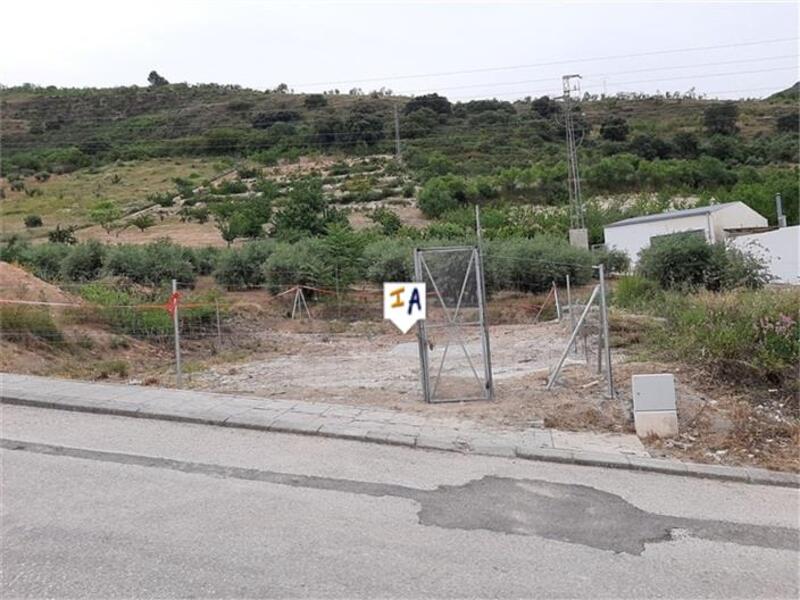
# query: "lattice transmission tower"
[[570, 86]]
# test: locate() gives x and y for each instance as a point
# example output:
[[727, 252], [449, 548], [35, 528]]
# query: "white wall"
[[632, 238], [733, 216], [780, 248]]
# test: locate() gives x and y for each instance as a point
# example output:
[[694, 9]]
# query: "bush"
[[62, 236], [84, 262], [241, 268], [387, 219], [389, 260], [232, 186], [18, 323], [315, 101], [613, 261], [442, 194], [721, 118], [165, 199], [32, 221], [742, 335], [295, 264], [532, 265], [636, 292], [45, 260], [687, 261], [151, 264]]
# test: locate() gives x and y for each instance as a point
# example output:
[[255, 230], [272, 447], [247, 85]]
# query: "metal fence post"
[[571, 314], [558, 304], [219, 328], [176, 327], [606, 344]]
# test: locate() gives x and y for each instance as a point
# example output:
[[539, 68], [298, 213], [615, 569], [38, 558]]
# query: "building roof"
[[674, 214]]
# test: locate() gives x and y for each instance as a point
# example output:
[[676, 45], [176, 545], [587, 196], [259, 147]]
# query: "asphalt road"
[[99, 506]]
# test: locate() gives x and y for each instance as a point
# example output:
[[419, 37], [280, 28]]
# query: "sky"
[[511, 49]]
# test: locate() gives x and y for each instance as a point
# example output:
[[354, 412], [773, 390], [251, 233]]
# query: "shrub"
[[613, 261], [241, 268], [315, 101], [62, 236], [721, 118], [248, 172], [84, 262], [614, 129], [18, 323], [743, 335], [143, 221], [389, 260], [204, 259], [151, 264], [104, 214], [531, 265], [635, 292], [32, 221], [441, 194], [45, 260], [435, 102], [388, 220], [165, 199], [107, 368], [295, 264], [232, 186], [687, 261]]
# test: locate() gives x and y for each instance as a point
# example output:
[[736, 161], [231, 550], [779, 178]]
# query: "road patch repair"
[[572, 513], [623, 451]]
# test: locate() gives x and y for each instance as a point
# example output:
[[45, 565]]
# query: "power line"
[[556, 62]]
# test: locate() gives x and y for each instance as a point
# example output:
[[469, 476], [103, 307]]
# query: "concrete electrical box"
[[654, 408], [579, 238]]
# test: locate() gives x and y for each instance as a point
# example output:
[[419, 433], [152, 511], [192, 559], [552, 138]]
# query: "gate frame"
[[475, 262]]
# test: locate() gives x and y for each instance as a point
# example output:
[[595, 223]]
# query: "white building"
[[715, 223], [780, 250]]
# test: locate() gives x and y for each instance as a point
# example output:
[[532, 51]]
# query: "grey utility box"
[[653, 392], [654, 408]]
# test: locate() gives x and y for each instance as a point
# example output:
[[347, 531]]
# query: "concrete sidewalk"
[[362, 424]]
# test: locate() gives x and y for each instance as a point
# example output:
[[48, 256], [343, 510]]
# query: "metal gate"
[[454, 352]]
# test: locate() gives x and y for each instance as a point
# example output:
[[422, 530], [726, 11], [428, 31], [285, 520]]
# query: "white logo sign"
[[404, 304]]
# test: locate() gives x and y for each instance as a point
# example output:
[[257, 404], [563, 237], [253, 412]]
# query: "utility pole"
[[578, 236], [397, 153], [779, 210]]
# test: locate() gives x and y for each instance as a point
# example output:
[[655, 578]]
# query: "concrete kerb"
[[358, 430]]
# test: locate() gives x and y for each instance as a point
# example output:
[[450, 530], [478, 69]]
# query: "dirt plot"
[[382, 368]]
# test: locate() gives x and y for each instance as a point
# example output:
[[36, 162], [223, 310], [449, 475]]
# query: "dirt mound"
[[18, 284]]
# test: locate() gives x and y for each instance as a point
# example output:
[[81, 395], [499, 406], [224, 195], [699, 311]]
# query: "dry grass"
[[66, 199]]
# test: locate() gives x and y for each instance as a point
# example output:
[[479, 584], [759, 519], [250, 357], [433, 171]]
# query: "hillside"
[[66, 150]]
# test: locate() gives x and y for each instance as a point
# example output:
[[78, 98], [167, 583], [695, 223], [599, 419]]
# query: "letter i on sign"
[[404, 303]]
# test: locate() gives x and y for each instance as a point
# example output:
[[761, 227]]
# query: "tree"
[[143, 222], [388, 220], [104, 214], [33, 221], [156, 80], [62, 236], [721, 118], [788, 123], [438, 104], [685, 144], [545, 107], [419, 123], [614, 129], [306, 211], [315, 101]]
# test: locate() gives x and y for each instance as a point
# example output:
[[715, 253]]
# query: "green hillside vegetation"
[[638, 153]]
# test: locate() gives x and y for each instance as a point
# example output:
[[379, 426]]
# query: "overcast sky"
[[324, 45]]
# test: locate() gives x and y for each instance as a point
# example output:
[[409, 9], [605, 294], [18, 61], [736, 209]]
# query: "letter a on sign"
[[404, 304]]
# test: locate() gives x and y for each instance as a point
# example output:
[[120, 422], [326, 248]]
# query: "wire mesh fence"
[[219, 325]]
